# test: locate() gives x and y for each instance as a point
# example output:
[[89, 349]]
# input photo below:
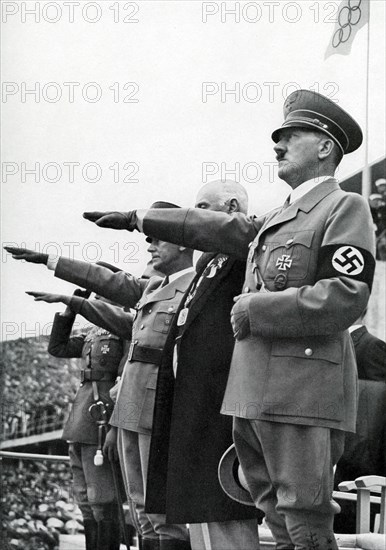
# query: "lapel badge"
[[105, 348], [183, 315], [216, 266], [280, 281], [284, 262]]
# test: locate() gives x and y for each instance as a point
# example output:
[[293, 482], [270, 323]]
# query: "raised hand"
[[113, 220], [82, 293], [27, 255], [48, 297]]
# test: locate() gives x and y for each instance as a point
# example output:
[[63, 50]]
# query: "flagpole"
[[366, 178]]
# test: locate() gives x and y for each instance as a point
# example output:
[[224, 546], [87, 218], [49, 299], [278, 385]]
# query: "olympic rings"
[[348, 17]]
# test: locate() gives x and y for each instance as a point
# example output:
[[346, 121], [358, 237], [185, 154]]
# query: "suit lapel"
[[204, 291]]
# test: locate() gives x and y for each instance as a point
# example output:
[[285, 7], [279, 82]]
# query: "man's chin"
[[284, 172], [288, 173]]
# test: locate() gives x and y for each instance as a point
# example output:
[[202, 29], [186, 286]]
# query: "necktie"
[[165, 281], [285, 205]]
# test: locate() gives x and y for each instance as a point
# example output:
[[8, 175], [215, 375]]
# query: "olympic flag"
[[352, 15]]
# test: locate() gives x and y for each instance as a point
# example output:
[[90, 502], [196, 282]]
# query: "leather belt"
[[96, 375], [144, 354]]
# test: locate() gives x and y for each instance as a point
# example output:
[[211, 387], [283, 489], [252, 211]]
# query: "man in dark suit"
[[189, 433], [370, 353], [292, 386], [364, 451]]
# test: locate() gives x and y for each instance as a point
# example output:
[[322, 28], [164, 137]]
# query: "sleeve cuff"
[[52, 262], [140, 216]]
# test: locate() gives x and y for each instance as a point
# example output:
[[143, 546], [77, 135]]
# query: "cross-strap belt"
[[144, 354]]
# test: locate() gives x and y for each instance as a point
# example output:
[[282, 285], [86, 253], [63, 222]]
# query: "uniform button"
[[264, 247], [150, 310], [290, 241], [142, 327], [171, 308], [308, 352], [246, 289], [167, 322]]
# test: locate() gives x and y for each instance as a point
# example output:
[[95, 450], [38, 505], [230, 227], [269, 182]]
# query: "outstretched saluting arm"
[[107, 316], [193, 227]]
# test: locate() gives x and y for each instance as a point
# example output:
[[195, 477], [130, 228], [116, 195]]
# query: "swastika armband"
[[347, 260]]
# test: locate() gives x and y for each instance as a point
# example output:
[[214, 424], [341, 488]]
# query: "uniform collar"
[[305, 203], [154, 292], [306, 186], [175, 276]]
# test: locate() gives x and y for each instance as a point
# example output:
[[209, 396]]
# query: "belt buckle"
[[131, 351]]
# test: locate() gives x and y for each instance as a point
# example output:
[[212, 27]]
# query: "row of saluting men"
[[250, 347]]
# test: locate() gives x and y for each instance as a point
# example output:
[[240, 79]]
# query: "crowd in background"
[[37, 388], [37, 502]]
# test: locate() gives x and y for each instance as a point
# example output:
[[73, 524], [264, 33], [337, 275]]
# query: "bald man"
[[189, 433]]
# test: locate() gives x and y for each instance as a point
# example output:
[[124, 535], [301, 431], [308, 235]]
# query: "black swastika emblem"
[[348, 260]]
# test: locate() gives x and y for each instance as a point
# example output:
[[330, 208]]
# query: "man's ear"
[[233, 206], [326, 147]]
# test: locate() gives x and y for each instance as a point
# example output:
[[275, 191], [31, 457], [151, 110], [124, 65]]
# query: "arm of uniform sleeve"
[[335, 300], [121, 287], [61, 343], [111, 318], [202, 229]]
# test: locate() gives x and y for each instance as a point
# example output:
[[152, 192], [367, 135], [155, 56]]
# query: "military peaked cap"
[[308, 109]]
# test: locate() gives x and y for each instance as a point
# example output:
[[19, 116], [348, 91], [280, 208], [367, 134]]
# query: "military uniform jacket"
[[316, 261], [189, 434], [155, 308], [100, 351]]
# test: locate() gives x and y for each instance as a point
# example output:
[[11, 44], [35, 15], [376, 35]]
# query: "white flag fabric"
[[352, 15]]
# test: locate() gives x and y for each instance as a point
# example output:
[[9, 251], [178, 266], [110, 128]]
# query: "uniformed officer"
[[156, 302], [101, 352], [292, 387]]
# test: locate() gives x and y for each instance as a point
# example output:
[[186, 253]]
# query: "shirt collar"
[[354, 327], [178, 274], [306, 186]]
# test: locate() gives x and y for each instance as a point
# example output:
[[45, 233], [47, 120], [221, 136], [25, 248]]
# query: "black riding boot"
[[109, 536], [174, 544], [90, 533], [150, 544]]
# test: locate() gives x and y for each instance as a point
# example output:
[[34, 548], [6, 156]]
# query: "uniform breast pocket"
[[108, 349], [289, 254], [163, 318]]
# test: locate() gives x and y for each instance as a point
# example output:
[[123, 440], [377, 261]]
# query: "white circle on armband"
[[348, 260]]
